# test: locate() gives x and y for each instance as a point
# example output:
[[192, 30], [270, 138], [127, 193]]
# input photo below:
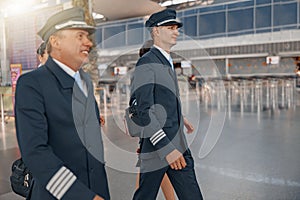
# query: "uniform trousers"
[[184, 182]]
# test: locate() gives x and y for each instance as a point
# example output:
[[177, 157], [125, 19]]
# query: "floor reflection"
[[245, 144]]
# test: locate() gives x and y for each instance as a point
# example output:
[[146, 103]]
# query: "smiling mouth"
[[86, 52]]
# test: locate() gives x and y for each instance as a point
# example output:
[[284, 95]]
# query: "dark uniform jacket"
[[59, 135], [155, 88]]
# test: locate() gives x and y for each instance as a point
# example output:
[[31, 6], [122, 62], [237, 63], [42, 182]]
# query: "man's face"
[[74, 46], [167, 35]]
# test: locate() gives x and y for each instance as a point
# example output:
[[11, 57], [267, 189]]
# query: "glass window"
[[240, 20], [190, 25], [135, 33], [298, 13], [285, 28], [285, 14], [147, 34], [263, 1], [114, 36], [212, 23], [282, 0], [179, 14], [263, 17], [211, 9], [221, 66], [263, 30], [241, 4], [98, 36], [190, 12]]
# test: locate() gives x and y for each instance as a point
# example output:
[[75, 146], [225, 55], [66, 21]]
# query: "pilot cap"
[[165, 17], [72, 18]]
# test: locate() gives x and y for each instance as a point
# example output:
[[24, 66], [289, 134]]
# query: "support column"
[[4, 76], [87, 6]]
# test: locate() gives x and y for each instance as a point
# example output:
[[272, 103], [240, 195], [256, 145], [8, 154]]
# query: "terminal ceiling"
[[122, 9]]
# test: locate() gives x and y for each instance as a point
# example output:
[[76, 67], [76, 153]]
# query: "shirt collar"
[[163, 52], [64, 67]]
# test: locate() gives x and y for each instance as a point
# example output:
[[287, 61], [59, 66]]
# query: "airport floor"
[[240, 154]]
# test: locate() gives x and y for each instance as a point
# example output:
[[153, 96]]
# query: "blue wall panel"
[[263, 2], [190, 25], [114, 36], [98, 35], [240, 20], [263, 17], [229, 19], [135, 34], [285, 14], [212, 23]]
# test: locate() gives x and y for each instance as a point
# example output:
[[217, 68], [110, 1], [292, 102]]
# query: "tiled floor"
[[238, 155]]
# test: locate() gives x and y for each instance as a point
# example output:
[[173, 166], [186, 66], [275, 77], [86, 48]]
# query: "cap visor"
[[179, 24], [89, 29]]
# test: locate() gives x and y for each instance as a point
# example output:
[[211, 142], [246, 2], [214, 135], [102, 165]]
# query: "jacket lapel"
[[161, 57], [65, 80], [77, 92], [87, 80], [165, 62], [172, 73], [62, 77]]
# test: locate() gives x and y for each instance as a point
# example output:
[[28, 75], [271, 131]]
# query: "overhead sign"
[[120, 70], [186, 64], [273, 60]]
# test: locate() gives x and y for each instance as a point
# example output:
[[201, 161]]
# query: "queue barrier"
[[249, 94], [6, 104]]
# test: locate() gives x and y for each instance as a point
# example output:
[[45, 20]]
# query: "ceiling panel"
[[121, 9]]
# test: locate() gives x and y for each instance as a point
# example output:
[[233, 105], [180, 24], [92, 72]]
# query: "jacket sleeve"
[[38, 156], [150, 114]]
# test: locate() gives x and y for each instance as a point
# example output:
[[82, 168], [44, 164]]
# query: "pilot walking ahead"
[[155, 90]]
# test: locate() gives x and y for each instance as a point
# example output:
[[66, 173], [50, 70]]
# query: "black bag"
[[131, 121], [21, 179]]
